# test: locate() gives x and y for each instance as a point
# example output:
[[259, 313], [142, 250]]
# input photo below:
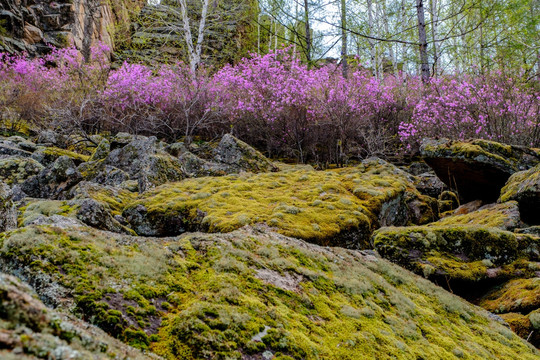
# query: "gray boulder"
[[54, 181]]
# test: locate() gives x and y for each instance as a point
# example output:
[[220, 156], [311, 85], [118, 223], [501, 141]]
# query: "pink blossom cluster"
[[273, 101]]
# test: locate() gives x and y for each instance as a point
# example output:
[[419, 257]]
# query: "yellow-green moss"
[[314, 205], [495, 216], [57, 152], [519, 295], [36, 208], [345, 305], [519, 182]]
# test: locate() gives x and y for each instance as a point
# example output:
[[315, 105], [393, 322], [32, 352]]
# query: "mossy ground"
[[307, 204], [200, 296]]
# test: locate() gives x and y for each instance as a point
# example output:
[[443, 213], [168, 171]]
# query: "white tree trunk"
[[194, 52], [370, 33]]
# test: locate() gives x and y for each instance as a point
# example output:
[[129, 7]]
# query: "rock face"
[[29, 330], [266, 293], [524, 187], [30, 25], [477, 169]]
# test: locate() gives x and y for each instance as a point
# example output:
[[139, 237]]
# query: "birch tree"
[[194, 50]]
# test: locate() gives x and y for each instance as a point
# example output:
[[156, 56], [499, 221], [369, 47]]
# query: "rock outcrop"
[[477, 169], [30, 26], [524, 187], [338, 207]]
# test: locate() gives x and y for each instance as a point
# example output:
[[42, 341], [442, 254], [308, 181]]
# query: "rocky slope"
[[30, 26], [213, 251]]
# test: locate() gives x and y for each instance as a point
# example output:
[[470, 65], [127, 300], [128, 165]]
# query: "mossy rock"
[[30, 330], [518, 296], [523, 326], [254, 291], [236, 153], [477, 169], [336, 207], [503, 216], [48, 155], [142, 159], [15, 170], [464, 258], [524, 187]]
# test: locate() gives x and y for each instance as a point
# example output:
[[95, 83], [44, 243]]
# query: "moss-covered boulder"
[[518, 303], [30, 331], [15, 169], [524, 187], [253, 292], [102, 151], [238, 154], [527, 326], [54, 181], [477, 169], [517, 296], [142, 159], [503, 216], [337, 207], [48, 155], [8, 214], [71, 213], [457, 251]]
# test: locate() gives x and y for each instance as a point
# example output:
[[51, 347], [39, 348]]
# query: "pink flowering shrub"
[[493, 107], [273, 102]]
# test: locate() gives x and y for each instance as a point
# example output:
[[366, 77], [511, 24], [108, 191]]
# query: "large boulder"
[[29, 330], [339, 207], [468, 252], [476, 169], [54, 181], [524, 187], [143, 159], [238, 154], [16, 169], [257, 294]]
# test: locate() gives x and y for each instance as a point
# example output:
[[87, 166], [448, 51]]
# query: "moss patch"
[[504, 216], [518, 296], [205, 291], [319, 206]]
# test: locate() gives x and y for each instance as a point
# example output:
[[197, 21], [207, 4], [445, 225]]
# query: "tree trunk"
[[194, 52], [371, 41], [436, 44], [422, 40], [308, 32], [344, 65]]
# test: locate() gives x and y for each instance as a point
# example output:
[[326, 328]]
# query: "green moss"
[[345, 305], [15, 170], [36, 208], [54, 153], [519, 295], [501, 216], [312, 205], [519, 183]]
